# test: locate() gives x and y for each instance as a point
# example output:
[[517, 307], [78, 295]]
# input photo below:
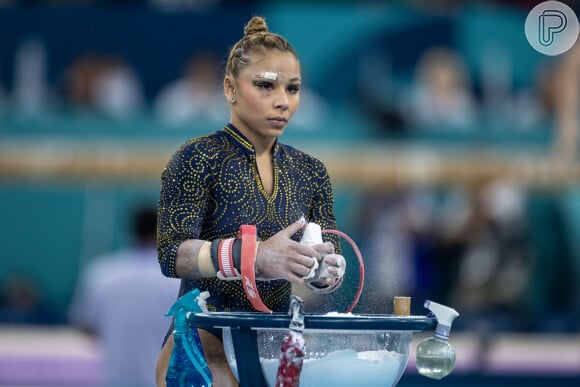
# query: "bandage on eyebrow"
[[269, 75]]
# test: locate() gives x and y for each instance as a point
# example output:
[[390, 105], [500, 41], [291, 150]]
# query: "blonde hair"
[[256, 39]]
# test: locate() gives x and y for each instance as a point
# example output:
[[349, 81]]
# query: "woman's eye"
[[264, 85], [293, 89]]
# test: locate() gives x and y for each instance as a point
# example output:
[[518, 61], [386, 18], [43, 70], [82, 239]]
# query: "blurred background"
[[452, 145]]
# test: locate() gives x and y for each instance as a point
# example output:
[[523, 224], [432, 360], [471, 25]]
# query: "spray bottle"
[[435, 356], [187, 366]]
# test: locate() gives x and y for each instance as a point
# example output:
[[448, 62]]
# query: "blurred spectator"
[[378, 97], [437, 221], [550, 297], [104, 84], [554, 300], [468, 249], [511, 107], [21, 301], [386, 247], [197, 96], [531, 106], [566, 97], [496, 85], [493, 272], [566, 150], [31, 90], [441, 96], [571, 215], [122, 298], [403, 226]]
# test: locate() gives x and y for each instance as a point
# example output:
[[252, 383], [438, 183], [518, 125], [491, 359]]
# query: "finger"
[[293, 228], [312, 269], [300, 270], [340, 265], [335, 260], [306, 261], [329, 272], [331, 259], [334, 266], [306, 251], [328, 281], [325, 248]]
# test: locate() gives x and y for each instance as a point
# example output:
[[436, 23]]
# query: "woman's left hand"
[[331, 266]]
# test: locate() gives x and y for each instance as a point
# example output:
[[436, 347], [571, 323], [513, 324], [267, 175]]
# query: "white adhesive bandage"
[[270, 75]]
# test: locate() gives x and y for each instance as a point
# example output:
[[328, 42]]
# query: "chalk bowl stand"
[[341, 349]]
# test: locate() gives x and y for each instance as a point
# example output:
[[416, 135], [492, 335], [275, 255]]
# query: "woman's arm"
[[194, 260], [181, 213]]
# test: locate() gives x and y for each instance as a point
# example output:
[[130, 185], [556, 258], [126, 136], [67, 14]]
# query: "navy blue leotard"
[[211, 186]]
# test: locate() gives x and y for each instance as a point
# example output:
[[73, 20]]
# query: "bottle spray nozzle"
[[192, 301], [444, 315], [295, 312]]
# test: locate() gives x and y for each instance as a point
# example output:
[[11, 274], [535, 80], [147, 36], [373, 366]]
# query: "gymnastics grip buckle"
[[248, 235]]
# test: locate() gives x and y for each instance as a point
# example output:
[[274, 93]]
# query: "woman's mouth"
[[278, 122]]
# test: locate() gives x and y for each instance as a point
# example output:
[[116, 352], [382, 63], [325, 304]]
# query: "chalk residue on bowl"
[[345, 368]]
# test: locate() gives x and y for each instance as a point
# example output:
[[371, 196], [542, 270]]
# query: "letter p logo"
[[551, 28], [551, 22]]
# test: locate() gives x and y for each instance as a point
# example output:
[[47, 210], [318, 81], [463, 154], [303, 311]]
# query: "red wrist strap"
[[248, 235]]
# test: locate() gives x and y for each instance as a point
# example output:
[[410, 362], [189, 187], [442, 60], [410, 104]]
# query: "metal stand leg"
[[247, 357]]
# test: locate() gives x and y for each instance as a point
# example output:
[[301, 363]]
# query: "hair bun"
[[256, 25]]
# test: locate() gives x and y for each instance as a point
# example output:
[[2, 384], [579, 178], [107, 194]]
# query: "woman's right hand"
[[280, 257]]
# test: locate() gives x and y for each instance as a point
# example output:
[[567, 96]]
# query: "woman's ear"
[[229, 88]]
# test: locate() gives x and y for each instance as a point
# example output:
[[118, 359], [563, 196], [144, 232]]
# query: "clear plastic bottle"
[[435, 356]]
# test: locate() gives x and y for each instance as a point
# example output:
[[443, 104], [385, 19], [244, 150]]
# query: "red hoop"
[[360, 261]]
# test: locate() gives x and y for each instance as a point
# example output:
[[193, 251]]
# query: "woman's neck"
[[262, 145]]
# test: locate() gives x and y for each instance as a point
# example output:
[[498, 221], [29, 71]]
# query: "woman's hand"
[[280, 257], [332, 267]]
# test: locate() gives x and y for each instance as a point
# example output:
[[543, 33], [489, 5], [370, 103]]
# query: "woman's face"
[[267, 93]]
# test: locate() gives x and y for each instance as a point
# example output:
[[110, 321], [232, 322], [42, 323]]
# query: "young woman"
[[234, 203]]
